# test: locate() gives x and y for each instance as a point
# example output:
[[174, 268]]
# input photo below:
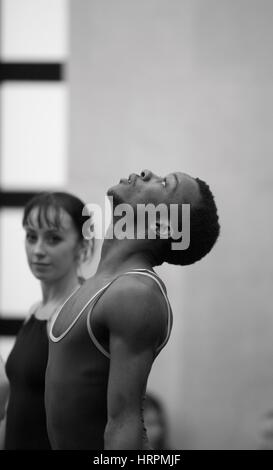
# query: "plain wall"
[[187, 85]]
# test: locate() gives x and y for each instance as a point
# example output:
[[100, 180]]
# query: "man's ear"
[[162, 229]]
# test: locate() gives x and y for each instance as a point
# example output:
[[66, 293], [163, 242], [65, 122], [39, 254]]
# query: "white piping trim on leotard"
[[152, 275], [56, 339]]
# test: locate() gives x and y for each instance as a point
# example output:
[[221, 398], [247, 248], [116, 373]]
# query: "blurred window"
[[33, 136]]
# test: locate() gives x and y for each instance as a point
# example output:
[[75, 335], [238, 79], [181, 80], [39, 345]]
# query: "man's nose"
[[147, 175]]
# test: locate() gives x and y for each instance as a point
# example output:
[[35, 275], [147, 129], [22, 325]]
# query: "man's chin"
[[115, 194], [112, 191]]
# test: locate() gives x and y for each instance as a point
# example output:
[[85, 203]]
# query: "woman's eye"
[[54, 239], [31, 237]]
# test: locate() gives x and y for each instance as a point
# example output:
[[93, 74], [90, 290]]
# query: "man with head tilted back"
[[106, 336]]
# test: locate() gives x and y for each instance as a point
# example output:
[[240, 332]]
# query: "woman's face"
[[52, 250]]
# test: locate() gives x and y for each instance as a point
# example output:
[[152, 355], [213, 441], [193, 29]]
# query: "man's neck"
[[118, 256]]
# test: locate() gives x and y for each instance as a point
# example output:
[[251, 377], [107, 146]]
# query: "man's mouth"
[[132, 178], [123, 180]]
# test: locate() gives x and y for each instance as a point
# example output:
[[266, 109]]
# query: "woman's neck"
[[60, 289]]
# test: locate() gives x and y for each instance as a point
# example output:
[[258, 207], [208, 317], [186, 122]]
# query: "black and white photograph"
[[136, 177]]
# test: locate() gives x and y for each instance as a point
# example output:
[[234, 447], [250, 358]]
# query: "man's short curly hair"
[[204, 230]]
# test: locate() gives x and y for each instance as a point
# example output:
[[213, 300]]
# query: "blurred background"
[[92, 90]]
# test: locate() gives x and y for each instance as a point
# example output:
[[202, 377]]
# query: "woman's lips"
[[40, 264]]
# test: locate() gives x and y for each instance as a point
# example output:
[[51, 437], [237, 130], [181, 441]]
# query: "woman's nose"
[[39, 248]]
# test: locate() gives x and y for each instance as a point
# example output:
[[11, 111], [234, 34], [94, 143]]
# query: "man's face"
[[148, 188]]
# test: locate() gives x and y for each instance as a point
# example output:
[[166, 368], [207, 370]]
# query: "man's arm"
[[136, 319]]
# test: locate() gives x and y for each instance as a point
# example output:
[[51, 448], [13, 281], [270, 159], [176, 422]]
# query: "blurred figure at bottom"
[[266, 432], [155, 423]]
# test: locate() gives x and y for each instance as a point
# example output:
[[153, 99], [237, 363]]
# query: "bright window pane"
[[18, 288], [33, 143], [34, 30]]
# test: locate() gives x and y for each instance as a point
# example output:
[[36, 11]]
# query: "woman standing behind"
[[55, 247], [4, 388], [4, 391]]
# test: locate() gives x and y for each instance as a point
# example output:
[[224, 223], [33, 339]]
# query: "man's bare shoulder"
[[134, 305], [130, 288]]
